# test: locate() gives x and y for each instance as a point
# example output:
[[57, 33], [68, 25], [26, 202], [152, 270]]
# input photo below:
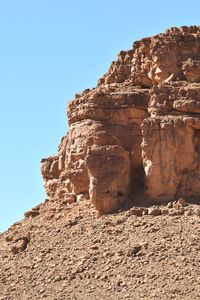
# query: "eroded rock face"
[[106, 164], [166, 56], [138, 132]]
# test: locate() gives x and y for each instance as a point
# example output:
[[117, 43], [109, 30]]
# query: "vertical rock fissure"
[[137, 168]]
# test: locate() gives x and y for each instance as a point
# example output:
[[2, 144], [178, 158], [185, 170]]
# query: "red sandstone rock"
[[33, 212], [19, 245], [138, 132], [154, 211], [182, 202]]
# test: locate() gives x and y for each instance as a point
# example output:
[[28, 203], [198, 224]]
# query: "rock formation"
[[138, 132], [135, 136]]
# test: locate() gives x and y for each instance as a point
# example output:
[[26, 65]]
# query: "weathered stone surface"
[[106, 165], [20, 245], [154, 211], [33, 212], [137, 134], [168, 56]]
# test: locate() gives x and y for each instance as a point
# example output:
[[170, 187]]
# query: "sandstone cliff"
[[137, 134]]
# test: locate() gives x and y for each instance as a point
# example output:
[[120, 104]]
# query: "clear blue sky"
[[49, 50]]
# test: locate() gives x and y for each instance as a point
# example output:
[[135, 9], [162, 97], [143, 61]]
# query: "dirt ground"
[[62, 252]]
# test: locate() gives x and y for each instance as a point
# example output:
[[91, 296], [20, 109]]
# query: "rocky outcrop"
[[171, 139], [166, 56], [137, 134]]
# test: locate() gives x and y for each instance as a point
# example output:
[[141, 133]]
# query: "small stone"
[[182, 202], [170, 205], [145, 212], [9, 238], [176, 212], [136, 211], [134, 250], [94, 247], [32, 213], [153, 211], [20, 245], [80, 198], [164, 211], [197, 212], [71, 199], [174, 203], [188, 212]]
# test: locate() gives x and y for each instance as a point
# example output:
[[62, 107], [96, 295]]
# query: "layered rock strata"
[[138, 132]]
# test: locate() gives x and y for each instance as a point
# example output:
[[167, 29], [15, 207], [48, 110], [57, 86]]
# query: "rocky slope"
[[141, 123], [65, 252], [133, 143]]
